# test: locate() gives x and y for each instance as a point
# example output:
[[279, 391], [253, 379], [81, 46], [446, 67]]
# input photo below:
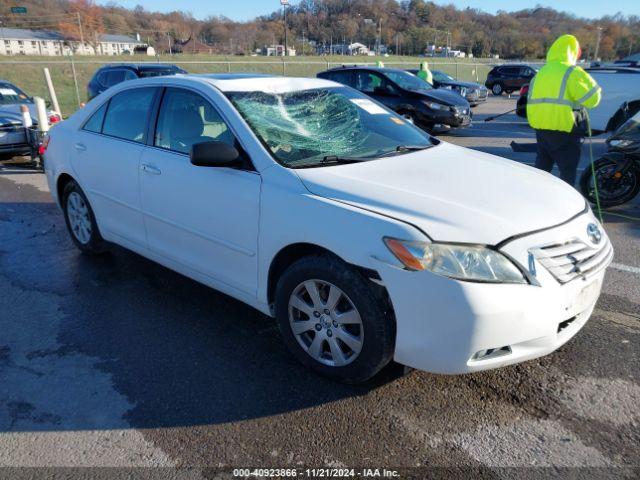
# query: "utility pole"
[[285, 4], [595, 55], [80, 29]]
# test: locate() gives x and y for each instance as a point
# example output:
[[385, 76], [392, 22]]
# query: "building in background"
[[278, 51], [17, 41]]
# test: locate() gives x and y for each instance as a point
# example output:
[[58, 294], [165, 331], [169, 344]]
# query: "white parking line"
[[625, 268]]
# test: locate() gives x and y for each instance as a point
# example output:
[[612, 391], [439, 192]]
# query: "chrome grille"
[[573, 259]]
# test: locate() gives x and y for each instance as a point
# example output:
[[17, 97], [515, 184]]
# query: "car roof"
[[239, 82], [142, 66], [232, 76], [365, 67]]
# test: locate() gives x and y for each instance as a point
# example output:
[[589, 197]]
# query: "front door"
[[379, 88], [206, 218], [105, 158]]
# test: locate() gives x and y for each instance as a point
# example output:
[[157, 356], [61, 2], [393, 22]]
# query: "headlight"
[[436, 106], [462, 262], [620, 143]]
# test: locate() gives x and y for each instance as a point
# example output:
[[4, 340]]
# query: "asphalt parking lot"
[[116, 361]]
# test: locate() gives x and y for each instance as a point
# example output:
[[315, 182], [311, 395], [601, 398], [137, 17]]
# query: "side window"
[[344, 78], [367, 82], [128, 75], [94, 124], [186, 118], [112, 77], [127, 114]]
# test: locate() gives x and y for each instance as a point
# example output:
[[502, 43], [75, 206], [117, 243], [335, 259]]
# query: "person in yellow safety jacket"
[[425, 74], [558, 96]]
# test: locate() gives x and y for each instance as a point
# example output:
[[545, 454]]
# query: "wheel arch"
[[618, 118], [294, 252], [61, 183]]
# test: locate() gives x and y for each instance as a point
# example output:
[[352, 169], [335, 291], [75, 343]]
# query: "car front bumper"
[[476, 98], [452, 327], [444, 117]]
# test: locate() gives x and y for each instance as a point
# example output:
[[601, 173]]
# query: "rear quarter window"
[[94, 124]]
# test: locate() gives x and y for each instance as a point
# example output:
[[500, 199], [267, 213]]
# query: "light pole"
[[285, 4], [595, 55]]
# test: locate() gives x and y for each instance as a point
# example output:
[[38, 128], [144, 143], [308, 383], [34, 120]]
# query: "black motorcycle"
[[618, 171]]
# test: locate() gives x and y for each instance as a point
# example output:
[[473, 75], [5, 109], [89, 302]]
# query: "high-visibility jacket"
[[425, 74], [560, 88]]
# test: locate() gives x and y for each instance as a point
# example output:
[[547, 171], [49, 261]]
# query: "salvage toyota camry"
[[367, 239]]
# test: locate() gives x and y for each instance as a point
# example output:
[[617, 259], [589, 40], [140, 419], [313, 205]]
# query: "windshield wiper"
[[404, 149], [332, 160]]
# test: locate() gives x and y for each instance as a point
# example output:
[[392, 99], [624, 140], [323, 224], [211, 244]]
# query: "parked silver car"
[[13, 138]]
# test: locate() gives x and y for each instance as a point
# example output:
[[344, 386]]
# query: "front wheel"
[[497, 89], [334, 319], [614, 187]]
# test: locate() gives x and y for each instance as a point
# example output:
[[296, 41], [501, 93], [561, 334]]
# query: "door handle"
[[150, 169], [81, 147]]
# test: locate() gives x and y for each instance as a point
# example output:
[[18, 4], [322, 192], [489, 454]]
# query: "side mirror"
[[214, 154]]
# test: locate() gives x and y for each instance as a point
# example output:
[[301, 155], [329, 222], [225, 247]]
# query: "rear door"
[[510, 77], [205, 218], [106, 157]]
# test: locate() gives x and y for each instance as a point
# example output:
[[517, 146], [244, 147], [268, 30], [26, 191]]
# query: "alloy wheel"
[[326, 323], [79, 219]]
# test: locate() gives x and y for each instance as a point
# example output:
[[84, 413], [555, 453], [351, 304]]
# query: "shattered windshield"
[[303, 128]]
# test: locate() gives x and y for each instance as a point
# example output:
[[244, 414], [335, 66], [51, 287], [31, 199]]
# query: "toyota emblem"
[[594, 233]]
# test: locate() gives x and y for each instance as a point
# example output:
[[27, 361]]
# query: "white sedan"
[[367, 239]]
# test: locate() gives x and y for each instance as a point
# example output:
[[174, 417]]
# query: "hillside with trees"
[[406, 27]]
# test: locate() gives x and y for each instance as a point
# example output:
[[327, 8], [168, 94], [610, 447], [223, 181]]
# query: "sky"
[[248, 9]]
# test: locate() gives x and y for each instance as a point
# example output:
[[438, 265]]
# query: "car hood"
[[461, 84], [451, 193], [446, 97], [10, 114]]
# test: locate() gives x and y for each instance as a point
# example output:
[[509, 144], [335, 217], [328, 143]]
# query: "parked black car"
[[473, 92], [509, 78], [110, 75], [406, 94]]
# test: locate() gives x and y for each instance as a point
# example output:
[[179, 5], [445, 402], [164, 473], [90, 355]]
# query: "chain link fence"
[[71, 76]]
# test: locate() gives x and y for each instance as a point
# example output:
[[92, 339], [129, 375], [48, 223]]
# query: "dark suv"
[[111, 75], [406, 94], [509, 78]]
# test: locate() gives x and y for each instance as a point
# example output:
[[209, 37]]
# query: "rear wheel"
[[80, 220], [334, 320], [614, 188], [497, 89]]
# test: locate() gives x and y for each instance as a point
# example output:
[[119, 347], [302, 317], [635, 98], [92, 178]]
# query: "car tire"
[[497, 89], [355, 339], [408, 115], [81, 221]]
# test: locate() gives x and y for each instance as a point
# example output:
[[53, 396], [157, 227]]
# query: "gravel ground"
[[118, 362]]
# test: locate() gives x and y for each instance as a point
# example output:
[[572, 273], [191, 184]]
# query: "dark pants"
[[561, 148]]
